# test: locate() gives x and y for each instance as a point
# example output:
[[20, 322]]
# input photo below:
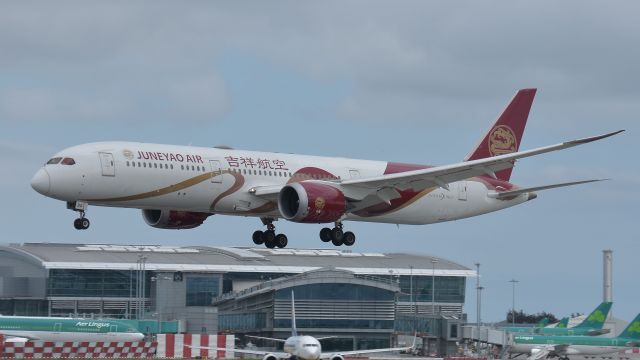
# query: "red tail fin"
[[506, 133]]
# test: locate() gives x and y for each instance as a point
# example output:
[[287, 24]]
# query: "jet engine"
[[337, 357], [269, 357], [173, 219], [308, 202]]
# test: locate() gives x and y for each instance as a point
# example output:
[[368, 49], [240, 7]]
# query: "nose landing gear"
[[269, 237], [81, 223], [337, 236]]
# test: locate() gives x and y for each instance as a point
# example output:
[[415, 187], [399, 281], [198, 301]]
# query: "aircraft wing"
[[440, 176], [511, 193], [279, 355], [265, 338]]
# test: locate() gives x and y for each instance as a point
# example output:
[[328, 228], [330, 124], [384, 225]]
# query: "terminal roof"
[[231, 259]]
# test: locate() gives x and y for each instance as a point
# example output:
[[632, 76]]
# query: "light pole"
[[411, 284], [434, 261], [478, 289], [513, 301]]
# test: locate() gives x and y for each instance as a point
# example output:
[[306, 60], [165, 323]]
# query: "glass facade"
[[448, 288], [336, 291], [409, 324], [14, 307], [94, 283], [335, 323], [201, 289], [246, 321]]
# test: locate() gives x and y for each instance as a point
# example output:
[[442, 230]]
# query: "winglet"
[[505, 134]]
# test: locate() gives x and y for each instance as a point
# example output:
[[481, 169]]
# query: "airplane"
[[303, 347], [21, 329], [179, 187], [591, 325], [540, 346]]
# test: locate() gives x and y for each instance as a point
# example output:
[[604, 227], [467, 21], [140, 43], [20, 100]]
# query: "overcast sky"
[[408, 81]]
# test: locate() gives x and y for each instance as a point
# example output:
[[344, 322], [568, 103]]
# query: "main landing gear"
[[337, 236], [269, 237], [81, 223]]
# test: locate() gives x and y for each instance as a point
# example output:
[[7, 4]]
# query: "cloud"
[[110, 60]]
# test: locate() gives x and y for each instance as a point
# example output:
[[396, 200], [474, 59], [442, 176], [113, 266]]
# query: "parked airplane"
[[540, 346], [178, 187], [303, 347], [591, 325], [26, 328]]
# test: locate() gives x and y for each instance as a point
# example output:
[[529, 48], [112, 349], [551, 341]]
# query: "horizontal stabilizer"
[[512, 193]]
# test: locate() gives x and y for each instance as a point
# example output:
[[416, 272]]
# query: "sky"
[[406, 81]]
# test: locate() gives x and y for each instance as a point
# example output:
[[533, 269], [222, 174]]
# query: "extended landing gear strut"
[[337, 236], [81, 223], [269, 237]]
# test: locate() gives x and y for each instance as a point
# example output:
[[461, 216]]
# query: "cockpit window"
[[68, 161], [310, 345], [54, 161]]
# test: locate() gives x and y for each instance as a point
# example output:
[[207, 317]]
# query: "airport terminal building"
[[367, 299]]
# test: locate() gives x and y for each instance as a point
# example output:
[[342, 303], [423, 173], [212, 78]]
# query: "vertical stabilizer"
[[506, 133], [294, 330], [633, 329], [596, 319], [562, 324]]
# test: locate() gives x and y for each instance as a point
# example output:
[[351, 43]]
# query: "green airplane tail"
[[542, 323], [562, 324], [633, 329], [596, 319]]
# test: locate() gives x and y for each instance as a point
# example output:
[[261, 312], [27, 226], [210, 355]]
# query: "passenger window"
[[269, 172], [155, 165], [166, 166], [133, 163], [68, 161], [54, 161], [193, 167], [127, 163], [171, 166]]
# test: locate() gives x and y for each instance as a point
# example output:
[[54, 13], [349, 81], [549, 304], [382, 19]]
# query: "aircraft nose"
[[40, 182]]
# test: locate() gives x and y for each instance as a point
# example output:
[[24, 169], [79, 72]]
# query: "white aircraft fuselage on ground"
[[178, 187]]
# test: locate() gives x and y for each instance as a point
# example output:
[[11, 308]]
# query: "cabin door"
[[216, 171], [113, 328], [108, 166], [57, 327]]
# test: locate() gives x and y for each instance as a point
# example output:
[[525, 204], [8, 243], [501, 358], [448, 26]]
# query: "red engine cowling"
[[309, 202], [173, 219]]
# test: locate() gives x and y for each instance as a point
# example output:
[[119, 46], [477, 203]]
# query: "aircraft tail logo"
[[505, 134], [596, 319], [633, 330]]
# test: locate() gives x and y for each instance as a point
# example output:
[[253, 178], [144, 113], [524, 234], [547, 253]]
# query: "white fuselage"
[[303, 347], [219, 181], [22, 335]]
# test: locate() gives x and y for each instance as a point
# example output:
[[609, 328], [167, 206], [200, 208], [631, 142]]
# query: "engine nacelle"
[[337, 357], [308, 202], [173, 219], [269, 357]]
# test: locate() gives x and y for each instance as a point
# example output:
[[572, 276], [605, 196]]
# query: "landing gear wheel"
[[337, 241], [336, 235], [268, 237], [348, 238], [81, 223], [325, 234], [281, 240], [257, 237], [270, 243]]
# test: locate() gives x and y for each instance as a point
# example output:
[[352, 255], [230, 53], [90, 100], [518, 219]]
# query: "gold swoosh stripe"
[[239, 181], [163, 191]]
